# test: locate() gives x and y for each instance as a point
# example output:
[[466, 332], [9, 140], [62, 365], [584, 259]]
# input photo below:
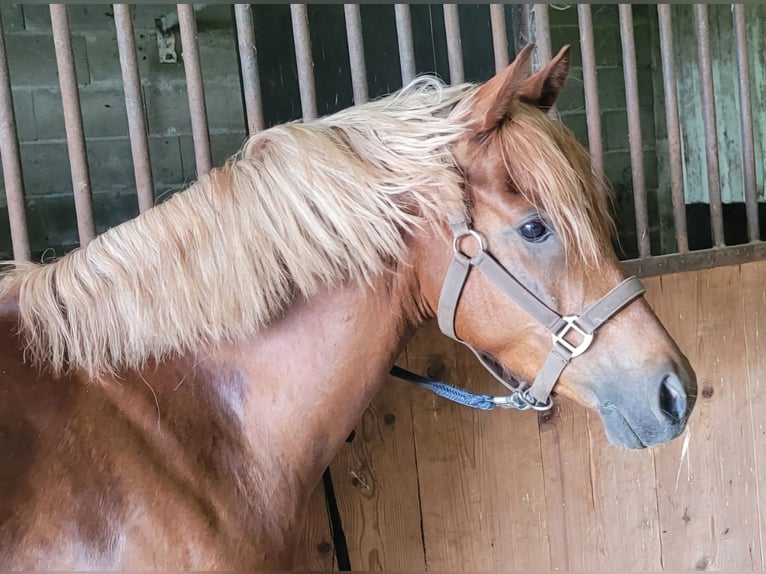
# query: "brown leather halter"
[[537, 395]]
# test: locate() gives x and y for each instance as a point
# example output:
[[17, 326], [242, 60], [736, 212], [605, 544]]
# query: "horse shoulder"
[[52, 480]]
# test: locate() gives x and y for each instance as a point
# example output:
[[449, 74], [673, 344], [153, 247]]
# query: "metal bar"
[[406, 44], [521, 33], [356, 52], [673, 127], [590, 84], [746, 120], [634, 129], [70, 100], [11, 161], [709, 117], [499, 36], [169, 21], [454, 46], [250, 78], [542, 36], [195, 88], [304, 61], [134, 105], [695, 260]]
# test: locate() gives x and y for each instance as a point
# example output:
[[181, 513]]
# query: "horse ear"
[[493, 99], [543, 88]]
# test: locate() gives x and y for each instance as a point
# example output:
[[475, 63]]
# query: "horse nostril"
[[672, 398]]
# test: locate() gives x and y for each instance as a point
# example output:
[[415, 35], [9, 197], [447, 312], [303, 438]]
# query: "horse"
[[171, 393]]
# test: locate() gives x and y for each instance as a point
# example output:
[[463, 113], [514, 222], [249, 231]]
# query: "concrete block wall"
[[40, 121], [41, 126]]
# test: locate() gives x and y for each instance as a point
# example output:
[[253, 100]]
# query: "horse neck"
[[265, 417], [312, 374]]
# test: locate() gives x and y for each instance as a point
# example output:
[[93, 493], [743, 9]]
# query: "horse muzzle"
[[655, 410]]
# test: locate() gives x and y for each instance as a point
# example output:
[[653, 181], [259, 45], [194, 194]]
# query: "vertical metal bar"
[[542, 38], [746, 120], [590, 84], [304, 61], [634, 129], [70, 100], [454, 45], [356, 52], [195, 88], [521, 32], [406, 45], [499, 36], [139, 140], [250, 78], [673, 127], [11, 160], [709, 117]]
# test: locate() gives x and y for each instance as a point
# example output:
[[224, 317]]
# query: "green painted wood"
[[725, 78]]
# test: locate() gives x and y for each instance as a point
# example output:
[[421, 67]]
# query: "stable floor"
[[429, 485]]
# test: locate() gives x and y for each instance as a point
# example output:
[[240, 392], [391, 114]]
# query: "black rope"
[[336, 525]]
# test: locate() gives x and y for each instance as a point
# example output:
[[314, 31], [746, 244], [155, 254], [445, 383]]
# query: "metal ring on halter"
[[522, 401], [536, 405], [464, 233]]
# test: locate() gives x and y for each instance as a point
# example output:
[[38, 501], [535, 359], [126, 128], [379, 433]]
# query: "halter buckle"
[[571, 325]]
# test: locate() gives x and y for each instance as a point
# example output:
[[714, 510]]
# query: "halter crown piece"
[[537, 395]]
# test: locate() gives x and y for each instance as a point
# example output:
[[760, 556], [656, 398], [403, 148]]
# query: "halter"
[[536, 396]]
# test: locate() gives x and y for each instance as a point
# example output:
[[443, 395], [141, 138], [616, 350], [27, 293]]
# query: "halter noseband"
[[536, 396]]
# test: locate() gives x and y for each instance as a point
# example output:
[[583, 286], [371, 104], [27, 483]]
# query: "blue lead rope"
[[459, 396], [518, 399]]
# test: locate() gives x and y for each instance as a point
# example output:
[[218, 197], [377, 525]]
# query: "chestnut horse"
[[171, 393]]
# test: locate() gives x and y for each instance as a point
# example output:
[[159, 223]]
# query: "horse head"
[[529, 279]]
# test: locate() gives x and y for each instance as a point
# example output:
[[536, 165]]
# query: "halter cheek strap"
[[563, 351]]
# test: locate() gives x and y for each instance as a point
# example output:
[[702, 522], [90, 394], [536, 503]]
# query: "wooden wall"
[[429, 485]]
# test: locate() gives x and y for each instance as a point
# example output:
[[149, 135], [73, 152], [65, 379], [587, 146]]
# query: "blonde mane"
[[301, 207]]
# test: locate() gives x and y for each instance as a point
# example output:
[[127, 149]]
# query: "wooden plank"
[[753, 297], [625, 497], [376, 485], [481, 475], [315, 551], [708, 514], [575, 537]]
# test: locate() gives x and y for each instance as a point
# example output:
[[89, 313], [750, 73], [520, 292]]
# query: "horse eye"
[[534, 231]]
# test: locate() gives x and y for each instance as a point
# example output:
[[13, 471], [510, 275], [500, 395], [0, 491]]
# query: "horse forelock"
[[545, 162], [301, 207]]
